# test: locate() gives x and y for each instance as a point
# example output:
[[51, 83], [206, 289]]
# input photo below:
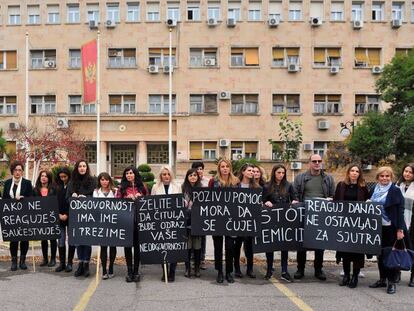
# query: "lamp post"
[[347, 128], [170, 153]]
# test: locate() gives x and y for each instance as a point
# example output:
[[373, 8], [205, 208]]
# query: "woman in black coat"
[[17, 188], [352, 188]]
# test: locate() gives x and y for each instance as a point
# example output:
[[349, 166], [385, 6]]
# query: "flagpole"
[[170, 153], [98, 106], [26, 111]]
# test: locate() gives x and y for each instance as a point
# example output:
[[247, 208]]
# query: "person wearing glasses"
[[312, 184]]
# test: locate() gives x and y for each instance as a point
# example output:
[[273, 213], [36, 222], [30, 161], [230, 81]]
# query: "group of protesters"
[[395, 196]]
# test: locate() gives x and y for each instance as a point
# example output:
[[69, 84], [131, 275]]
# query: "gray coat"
[[328, 184]]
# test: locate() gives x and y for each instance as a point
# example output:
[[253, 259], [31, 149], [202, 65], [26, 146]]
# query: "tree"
[[338, 155], [47, 144], [290, 138], [3, 144], [396, 83]]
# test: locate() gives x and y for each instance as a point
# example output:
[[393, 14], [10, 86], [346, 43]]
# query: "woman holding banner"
[[132, 187], [44, 187], [17, 188], [278, 191], [259, 175], [393, 225], [406, 184], [166, 185], [223, 179], [247, 180], [106, 189], [62, 181], [352, 188], [81, 185], [191, 181]]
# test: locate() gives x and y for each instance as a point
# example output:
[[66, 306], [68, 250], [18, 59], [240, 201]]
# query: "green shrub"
[[56, 169], [149, 185], [144, 168], [147, 176]]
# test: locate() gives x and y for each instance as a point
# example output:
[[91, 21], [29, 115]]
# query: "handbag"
[[398, 259]]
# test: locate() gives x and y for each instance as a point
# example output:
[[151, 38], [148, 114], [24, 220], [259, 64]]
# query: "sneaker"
[[105, 276], [361, 275], [286, 277], [343, 273], [203, 265]]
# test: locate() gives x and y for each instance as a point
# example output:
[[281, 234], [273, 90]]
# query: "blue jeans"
[[84, 252]]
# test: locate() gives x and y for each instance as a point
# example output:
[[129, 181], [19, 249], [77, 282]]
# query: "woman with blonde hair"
[[393, 224], [166, 185], [223, 179]]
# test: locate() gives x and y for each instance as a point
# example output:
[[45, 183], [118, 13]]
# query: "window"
[[8, 60], [316, 9], [133, 12], [90, 153], [245, 103], [203, 103], [122, 103], [295, 10], [160, 57], [160, 104], [286, 102], [112, 12], [193, 11], [53, 14], [203, 57], [398, 11], [73, 13], [43, 104], [122, 58], [213, 10], [366, 103], [203, 150], [398, 51], [320, 147], [8, 105], [240, 149], [241, 57], [357, 11], [14, 15], [377, 11], [93, 12], [74, 58], [173, 11], [33, 14], [367, 57], [323, 57], [157, 153], [277, 149], [255, 11], [327, 104], [153, 11], [337, 11], [275, 10], [75, 104], [281, 56], [43, 59], [412, 12], [233, 10]]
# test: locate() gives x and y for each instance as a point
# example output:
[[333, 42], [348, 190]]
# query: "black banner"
[[343, 226], [226, 211], [30, 219], [101, 221], [281, 228], [162, 229]]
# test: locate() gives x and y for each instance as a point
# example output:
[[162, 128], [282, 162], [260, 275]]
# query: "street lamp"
[[347, 128]]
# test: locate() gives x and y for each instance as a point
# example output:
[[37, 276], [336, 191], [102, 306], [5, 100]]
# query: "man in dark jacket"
[[313, 183]]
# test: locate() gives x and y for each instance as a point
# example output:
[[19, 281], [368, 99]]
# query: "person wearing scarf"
[[393, 225], [406, 184], [17, 188]]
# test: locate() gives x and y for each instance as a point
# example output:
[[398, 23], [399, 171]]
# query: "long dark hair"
[[186, 187], [283, 183], [401, 179], [137, 181], [105, 176], [252, 181], [38, 184], [78, 179], [65, 171], [360, 180]]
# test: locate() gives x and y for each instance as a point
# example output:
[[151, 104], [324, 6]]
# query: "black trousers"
[[389, 236], [53, 249], [229, 245], [248, 251], [104, 257], [318, 262], [14, 246], [128, 255]]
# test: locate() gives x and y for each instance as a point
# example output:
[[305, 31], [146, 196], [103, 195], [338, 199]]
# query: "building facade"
[[237, 66]]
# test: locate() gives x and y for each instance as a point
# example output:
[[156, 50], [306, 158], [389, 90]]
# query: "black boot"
[[187, 272], [268, 275], [354, 281], [130, 275], [229, 278], [71, 254], [80, 270], [13, 264], [44, 253], [62, 259], [53, 249], [345, 280], [219, 278], [86, 272], [379, 283], [22, 264], [411, 284], [197, 262]]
